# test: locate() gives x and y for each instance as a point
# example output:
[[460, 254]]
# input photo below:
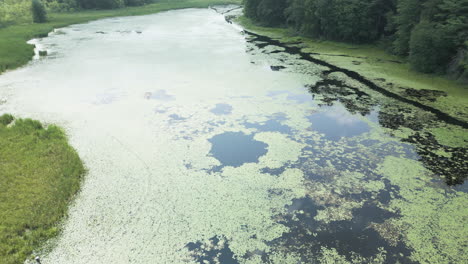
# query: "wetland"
[[208, 143]]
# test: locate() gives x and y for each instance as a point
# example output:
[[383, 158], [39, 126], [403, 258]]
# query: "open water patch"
[[222, 109], [160, 95], [216, 250], [236, 148], [300, 98], [272, 125], [174, 118], [307, 236], [336, 123]]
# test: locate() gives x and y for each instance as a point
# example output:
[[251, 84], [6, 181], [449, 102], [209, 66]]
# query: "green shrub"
[[38, 11], [62, 5], [137, 2], [431, 48], [6, 119], [101, 4], [14, 11]]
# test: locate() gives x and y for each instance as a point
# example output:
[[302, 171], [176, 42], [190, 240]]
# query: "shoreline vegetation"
[[386, 70], [15, 52], [430, 34], [40, 173]]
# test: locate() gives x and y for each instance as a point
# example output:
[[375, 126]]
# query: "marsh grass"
[[15, 52], [39, 175]]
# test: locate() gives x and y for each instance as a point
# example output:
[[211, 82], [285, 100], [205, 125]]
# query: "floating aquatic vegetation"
[[434, 218], [250, 180], [176, 118], [216, 250], [423, 94]]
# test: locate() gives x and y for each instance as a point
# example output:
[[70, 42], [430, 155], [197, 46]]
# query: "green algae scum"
[[209, 144]]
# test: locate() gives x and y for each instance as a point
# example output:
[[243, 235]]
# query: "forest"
[[432, 34]]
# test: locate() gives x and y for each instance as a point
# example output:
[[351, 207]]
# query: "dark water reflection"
[[336, 123], [222, 109], [271, 125], [236, 148]]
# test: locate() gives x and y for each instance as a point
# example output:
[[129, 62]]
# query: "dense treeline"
[[433, 34]]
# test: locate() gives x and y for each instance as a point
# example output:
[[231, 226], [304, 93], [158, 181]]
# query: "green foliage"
[[137, 2], [392, 22], [15, 52], [250, 8], [101, 4], [431, 48], [6, 119], [271, 12], [348, 20], [38, 11], [408, 16], [14, 11], [40, 173], [62, 5]]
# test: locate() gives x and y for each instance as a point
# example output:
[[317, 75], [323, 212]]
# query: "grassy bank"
[[39, 175], [15, 52], [391, 72]]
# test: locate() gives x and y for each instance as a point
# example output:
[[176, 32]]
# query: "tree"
[[101, 4], [431, 48], [271, 12], [136, 2], [250, 8], [38, 11]]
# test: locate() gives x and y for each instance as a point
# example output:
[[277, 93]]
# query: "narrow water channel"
[[205, 144]]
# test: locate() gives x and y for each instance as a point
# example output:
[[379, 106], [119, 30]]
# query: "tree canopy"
[[433, 34]]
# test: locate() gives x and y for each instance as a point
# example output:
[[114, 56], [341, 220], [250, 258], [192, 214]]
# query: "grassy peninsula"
[[39, 174]]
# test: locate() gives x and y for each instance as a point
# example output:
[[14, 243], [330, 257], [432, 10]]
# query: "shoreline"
[[15, 52], [375, 65]]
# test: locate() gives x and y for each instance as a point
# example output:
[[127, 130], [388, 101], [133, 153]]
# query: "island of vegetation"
[[39, 174]]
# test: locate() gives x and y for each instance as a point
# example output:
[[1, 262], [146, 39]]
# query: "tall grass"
[[39, 175]]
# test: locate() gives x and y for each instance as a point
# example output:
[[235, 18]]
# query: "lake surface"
[[205, 144]]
